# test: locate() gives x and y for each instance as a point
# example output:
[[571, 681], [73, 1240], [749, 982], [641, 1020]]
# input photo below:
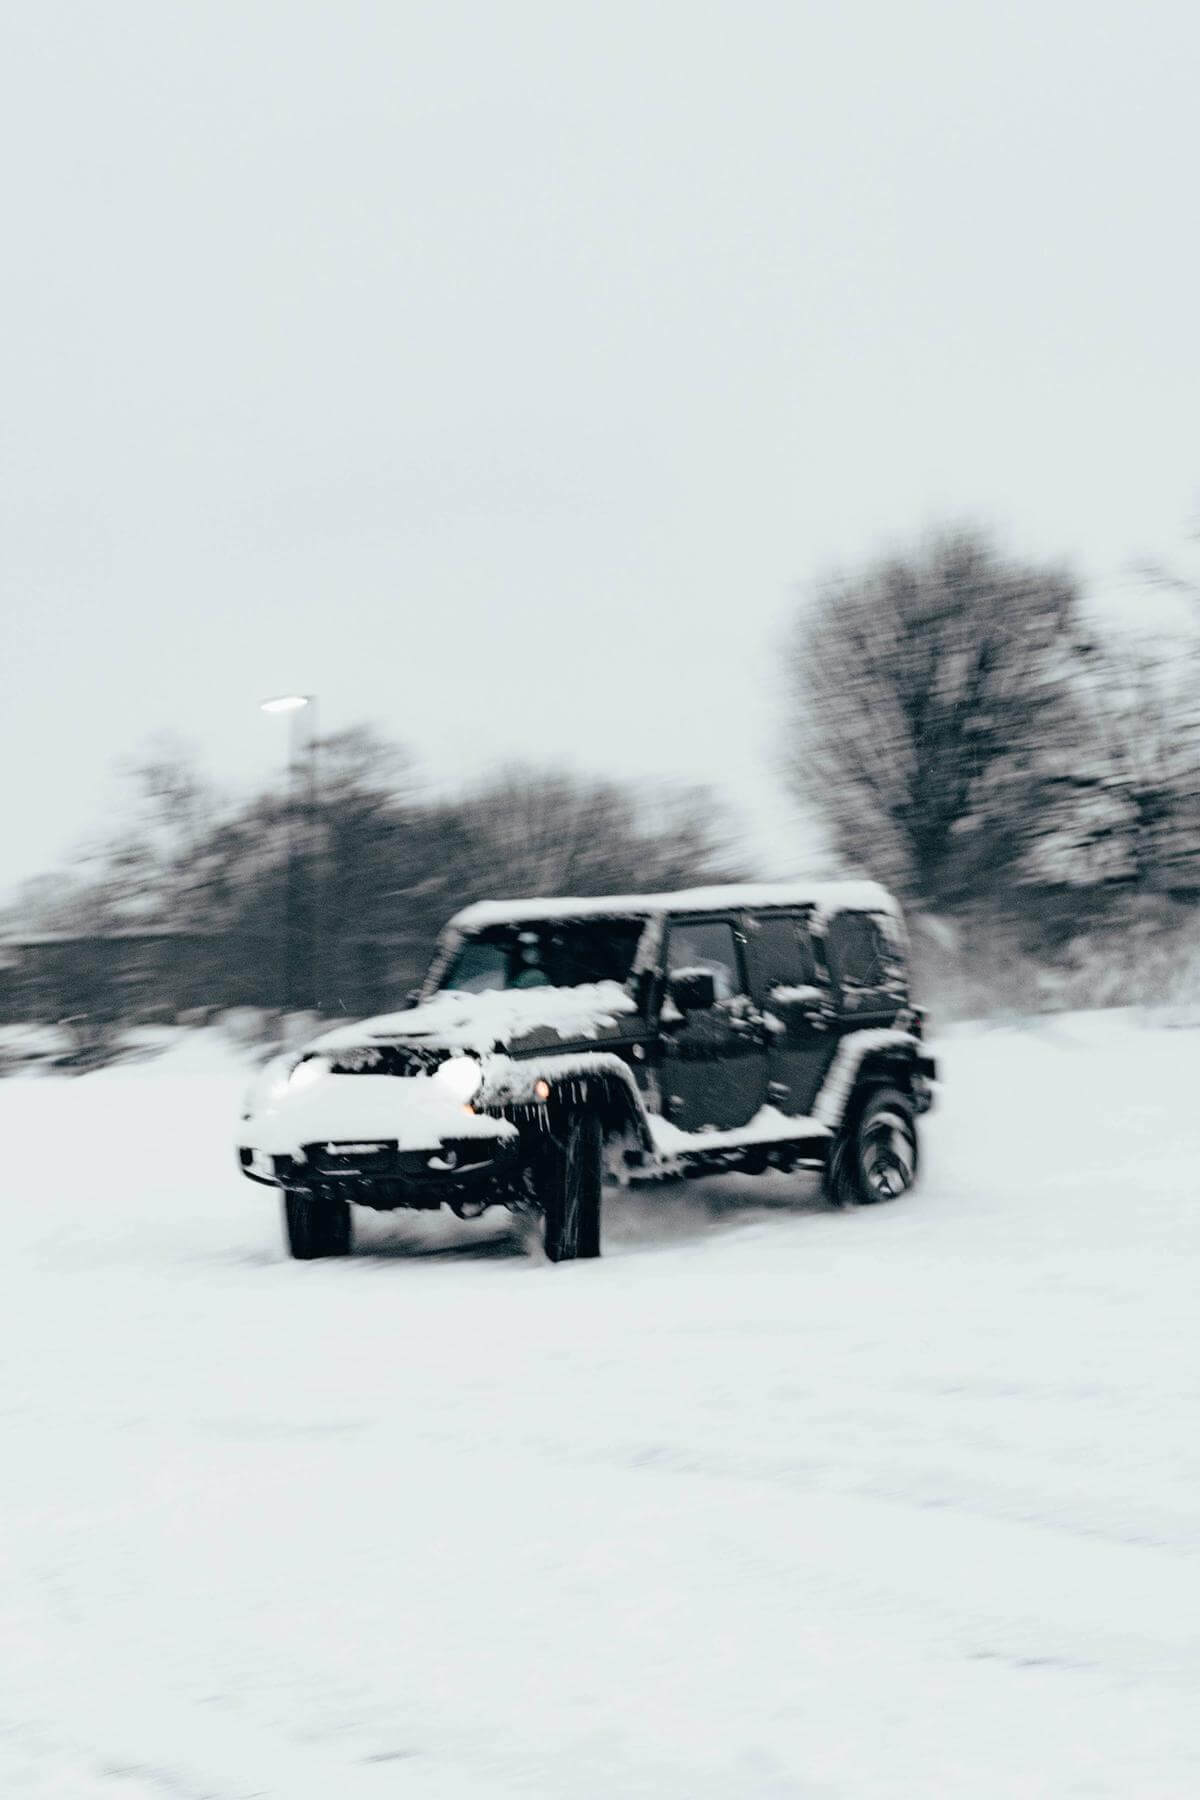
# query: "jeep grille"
[[386, 1059]]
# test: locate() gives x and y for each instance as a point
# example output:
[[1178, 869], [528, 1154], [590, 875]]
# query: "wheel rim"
[[888, 1155]]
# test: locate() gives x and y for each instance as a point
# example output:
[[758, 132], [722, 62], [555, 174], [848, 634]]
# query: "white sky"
[[498, 370]]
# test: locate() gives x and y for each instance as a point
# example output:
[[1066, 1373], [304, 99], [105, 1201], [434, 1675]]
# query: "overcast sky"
[[499, 370]]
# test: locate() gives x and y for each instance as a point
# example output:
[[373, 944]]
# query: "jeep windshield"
[[560, 953]]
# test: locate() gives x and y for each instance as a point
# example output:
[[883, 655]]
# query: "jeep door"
[[792, 991], [713, 1060]]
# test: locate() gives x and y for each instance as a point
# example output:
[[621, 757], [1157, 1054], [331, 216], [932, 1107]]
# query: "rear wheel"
[[315, 1226], [568, 1177], [875, 1156]]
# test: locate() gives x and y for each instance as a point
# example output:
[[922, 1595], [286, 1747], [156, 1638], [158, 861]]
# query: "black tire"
[[876, 1155], [569, 1177], [315, 1226]]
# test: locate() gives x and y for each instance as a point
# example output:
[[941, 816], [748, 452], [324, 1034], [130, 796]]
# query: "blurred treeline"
[[1024, 774], [1023, 769], [323, 894]]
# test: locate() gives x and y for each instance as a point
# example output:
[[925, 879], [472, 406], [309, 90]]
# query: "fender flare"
[[870, 1057], [592, 1079]]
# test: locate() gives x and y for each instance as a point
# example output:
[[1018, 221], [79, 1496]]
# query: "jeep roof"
[[824, 897]]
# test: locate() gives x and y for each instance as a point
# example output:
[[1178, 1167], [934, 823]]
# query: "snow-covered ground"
[[772, 1502]]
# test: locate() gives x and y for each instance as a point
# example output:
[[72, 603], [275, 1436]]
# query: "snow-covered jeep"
[[556, 1040]]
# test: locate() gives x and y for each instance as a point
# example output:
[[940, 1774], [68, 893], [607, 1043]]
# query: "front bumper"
[[381, 1174], [924, 1080]]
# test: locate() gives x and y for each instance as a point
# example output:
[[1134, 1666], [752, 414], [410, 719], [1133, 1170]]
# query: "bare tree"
[[1132, 807], [540, 831], [346, 886], [927, 693], [152, 869], [1182, 581]]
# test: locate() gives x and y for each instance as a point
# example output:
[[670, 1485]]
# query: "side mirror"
[[693, 990]]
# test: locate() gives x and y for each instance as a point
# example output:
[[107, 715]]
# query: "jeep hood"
[[497, 1020]]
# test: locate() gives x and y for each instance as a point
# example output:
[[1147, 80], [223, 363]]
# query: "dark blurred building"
[[142, 975]]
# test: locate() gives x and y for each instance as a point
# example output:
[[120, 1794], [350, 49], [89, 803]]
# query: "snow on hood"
[[416, 1114], [483, 1022]]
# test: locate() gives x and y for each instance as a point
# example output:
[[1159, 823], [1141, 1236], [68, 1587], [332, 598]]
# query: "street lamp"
[[295, 704]]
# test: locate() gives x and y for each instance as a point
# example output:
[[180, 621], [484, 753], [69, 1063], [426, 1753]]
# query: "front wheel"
[[315, 1226], [568, 1176], [875, 1156]]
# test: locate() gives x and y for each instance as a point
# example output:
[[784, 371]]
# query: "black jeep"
[[678, 1034]]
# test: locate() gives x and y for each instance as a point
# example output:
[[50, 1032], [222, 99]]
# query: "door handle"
[[747, 1025]]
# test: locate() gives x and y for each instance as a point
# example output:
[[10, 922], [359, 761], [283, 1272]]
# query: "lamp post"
[[294, 705]]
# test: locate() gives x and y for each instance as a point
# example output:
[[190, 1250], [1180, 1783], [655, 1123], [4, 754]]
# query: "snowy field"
[[772, 1502]]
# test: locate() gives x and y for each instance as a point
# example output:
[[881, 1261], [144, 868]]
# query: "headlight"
[[461, 1076], [308, 1071], [269, 1084]]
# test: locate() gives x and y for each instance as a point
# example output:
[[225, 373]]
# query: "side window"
[[854, 951], [708, 946], [783, 953], [894, 952], [479, 967]]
